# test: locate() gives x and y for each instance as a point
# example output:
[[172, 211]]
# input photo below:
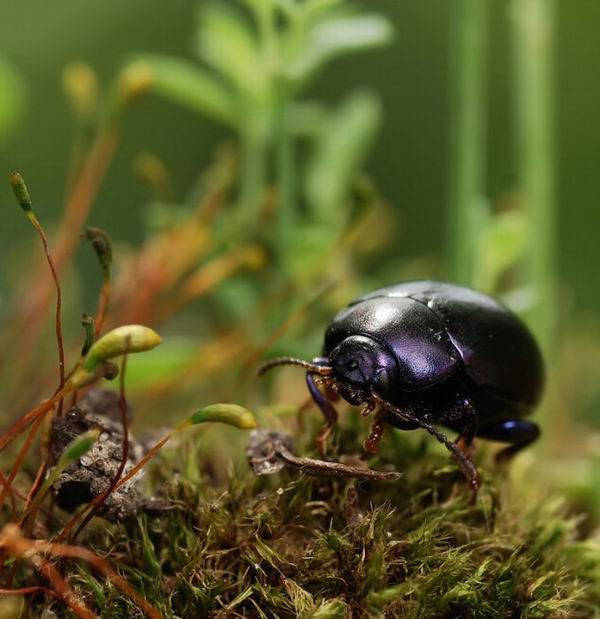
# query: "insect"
[[423, 354]]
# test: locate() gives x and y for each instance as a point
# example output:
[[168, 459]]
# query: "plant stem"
[[533, 45], [468, 142], [252, 179], [285, 177]]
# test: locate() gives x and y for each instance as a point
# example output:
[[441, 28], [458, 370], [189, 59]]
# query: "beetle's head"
[[361, 365]]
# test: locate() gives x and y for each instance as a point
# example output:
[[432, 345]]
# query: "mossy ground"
[[289, 546]]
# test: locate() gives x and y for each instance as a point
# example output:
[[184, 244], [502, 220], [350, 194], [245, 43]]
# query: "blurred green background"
[[413, 161], [411, 157]]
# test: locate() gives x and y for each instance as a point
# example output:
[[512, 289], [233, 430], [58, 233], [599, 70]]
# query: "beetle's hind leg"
[[519, 433], [325, 406]]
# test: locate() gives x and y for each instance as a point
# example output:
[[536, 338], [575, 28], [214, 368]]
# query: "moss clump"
[[289, 546]]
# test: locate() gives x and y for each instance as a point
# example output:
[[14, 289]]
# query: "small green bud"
[[18, 185], [230, 414]]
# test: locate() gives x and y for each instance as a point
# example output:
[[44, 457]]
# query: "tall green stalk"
[[284, 163], [468, 140], [533, 80], [253, 178]]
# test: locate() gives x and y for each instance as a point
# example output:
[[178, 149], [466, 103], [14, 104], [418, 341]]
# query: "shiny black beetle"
[[421, 354]]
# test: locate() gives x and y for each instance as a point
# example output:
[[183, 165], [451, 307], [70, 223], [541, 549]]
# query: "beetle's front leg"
[[372, 442], [326, 407]]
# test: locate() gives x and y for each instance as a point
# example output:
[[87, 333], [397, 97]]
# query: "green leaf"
[[501, 245], [230, 414], [192, 86], [338, 36], [77, 448], [227, 43], [340, 153], [162, 364]]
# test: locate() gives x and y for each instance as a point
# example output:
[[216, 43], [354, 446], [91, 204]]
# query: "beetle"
[[423, 354]]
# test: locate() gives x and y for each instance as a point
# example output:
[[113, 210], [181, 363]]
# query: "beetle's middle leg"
[[410, 416], [325, 405], [462, 416]]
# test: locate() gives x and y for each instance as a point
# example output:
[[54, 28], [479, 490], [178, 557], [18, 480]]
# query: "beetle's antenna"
[[468, 468], [322, 370]]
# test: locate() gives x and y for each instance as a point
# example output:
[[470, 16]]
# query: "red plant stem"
[[19, 460], [11, 493], [21, 424], [103, 306], [58, 318], [75, 214], [28, 520], [36, 416], [147, 457], [17, 545], [59, 584]]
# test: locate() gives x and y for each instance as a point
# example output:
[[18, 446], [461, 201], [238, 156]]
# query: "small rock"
[[94, 473]]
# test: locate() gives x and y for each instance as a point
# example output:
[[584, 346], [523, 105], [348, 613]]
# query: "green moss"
[[288, 546]]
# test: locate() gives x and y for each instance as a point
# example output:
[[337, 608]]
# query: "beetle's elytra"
[[423, 354]]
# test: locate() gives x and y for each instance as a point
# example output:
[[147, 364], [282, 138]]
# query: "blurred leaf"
[[336, 37], [227, 43], [501, 244], [192, 86], [164, 363], [12, 97], [309, 244], [340, 152]]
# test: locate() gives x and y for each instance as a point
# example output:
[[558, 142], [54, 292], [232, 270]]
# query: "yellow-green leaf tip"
[[125, 339], [230, 414]]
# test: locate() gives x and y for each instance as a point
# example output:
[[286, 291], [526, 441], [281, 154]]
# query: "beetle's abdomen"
[[407, 328], [498, 352]]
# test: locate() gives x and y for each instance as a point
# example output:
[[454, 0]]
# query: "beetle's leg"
[[327, 409], [463, 416], [371, 444], [406, 415], [518, 432]]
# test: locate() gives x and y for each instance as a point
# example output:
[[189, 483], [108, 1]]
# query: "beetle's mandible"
[[424, 354]]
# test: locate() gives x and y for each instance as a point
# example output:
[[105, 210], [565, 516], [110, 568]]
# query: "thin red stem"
[[58, 318]]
